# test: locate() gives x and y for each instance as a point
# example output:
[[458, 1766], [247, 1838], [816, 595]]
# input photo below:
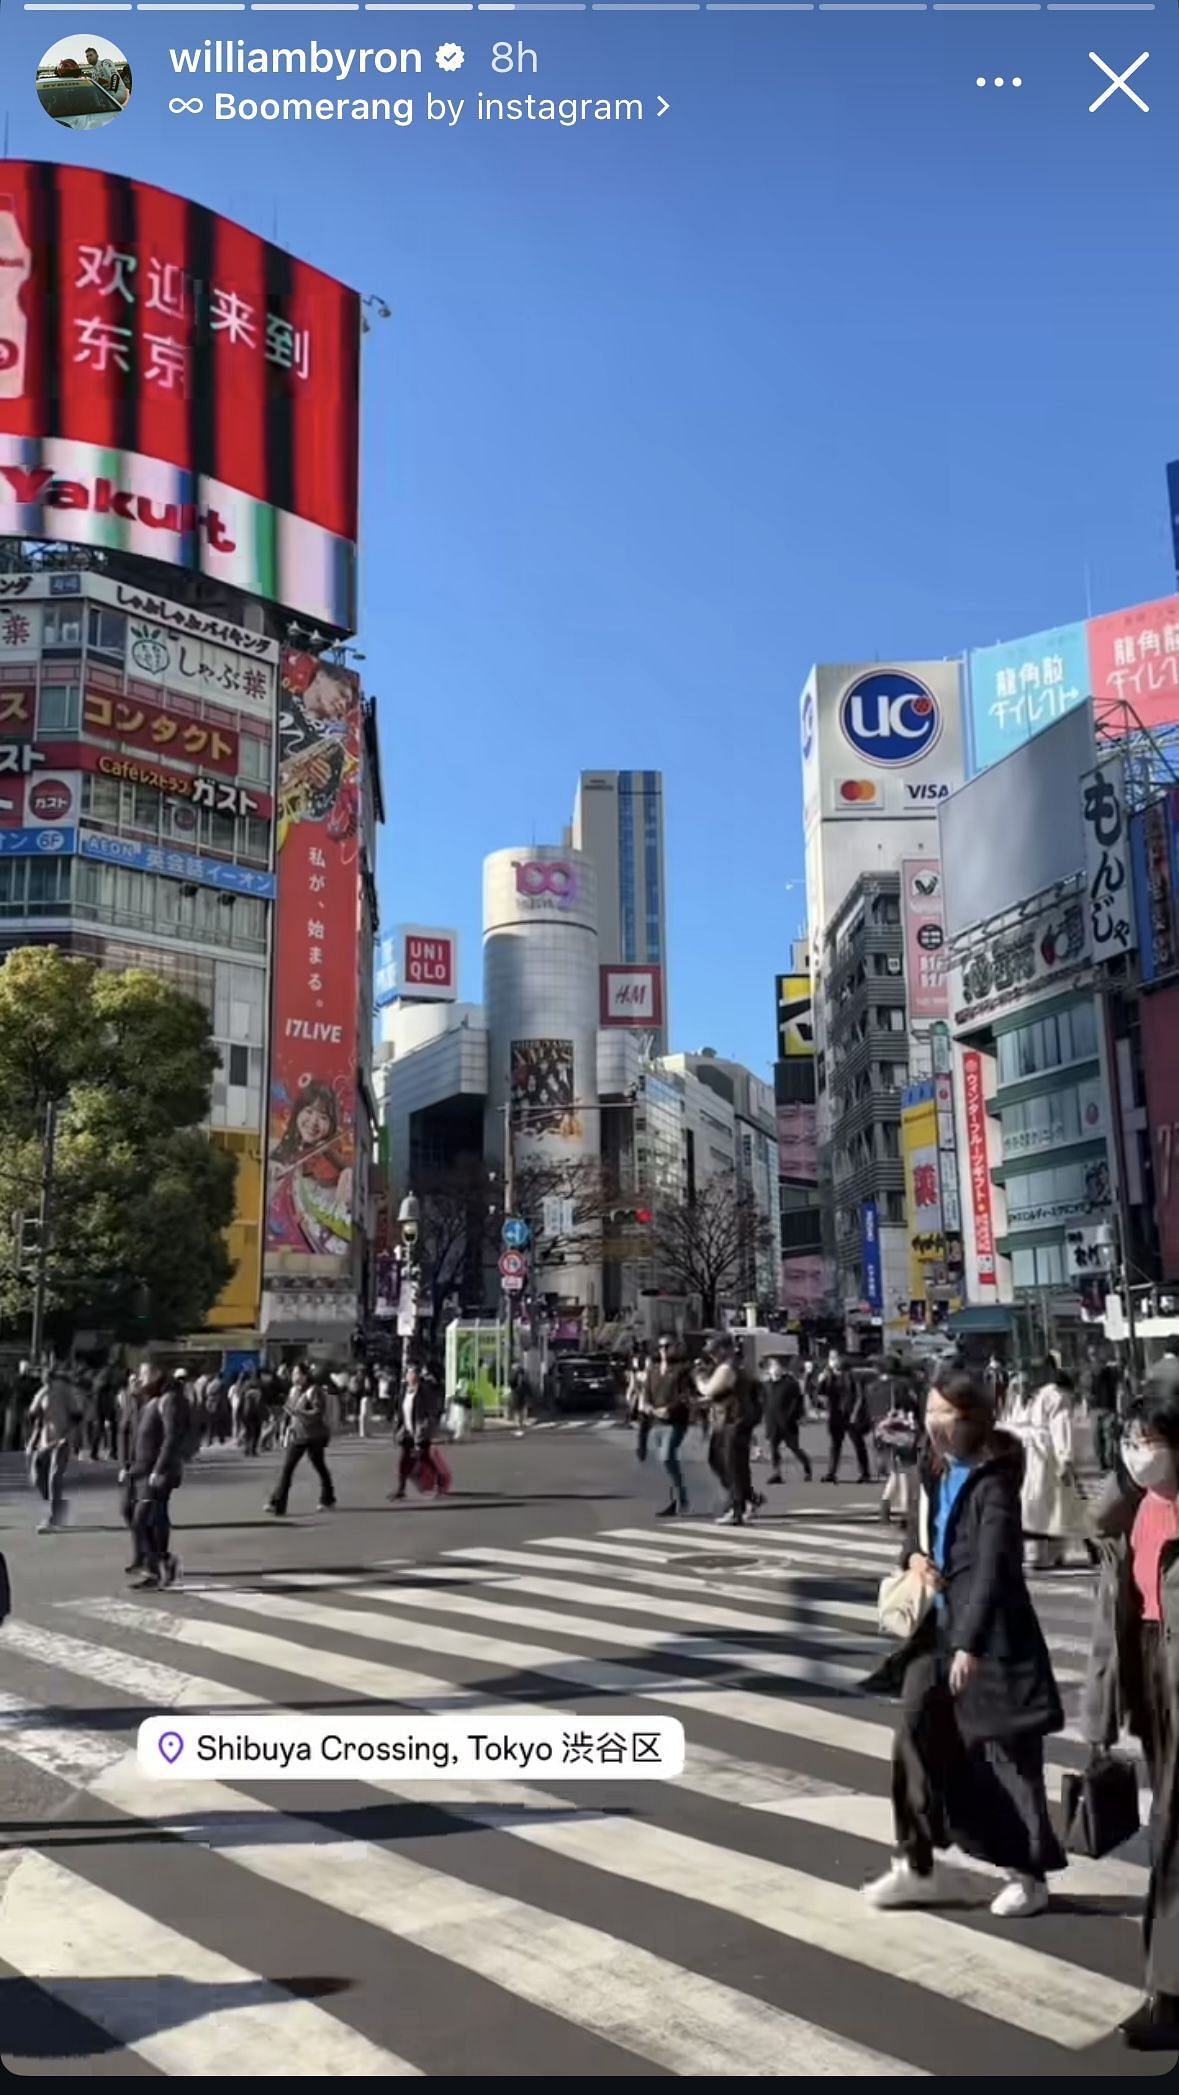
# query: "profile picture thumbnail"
[[84, 82]]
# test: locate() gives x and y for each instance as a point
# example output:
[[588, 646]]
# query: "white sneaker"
[[1020, 1898], [901, 1885]]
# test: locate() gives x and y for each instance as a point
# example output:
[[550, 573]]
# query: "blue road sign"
[[516, 1233]]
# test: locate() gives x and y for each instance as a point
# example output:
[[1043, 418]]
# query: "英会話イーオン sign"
[[174, 387]]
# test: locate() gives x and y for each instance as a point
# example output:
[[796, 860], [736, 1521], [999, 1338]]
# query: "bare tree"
[[707, 1246], [582, 1185], [459, 1222]]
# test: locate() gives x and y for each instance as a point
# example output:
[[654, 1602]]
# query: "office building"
[[618, 826]]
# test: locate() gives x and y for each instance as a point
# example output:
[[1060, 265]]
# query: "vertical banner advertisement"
[[316, 962], [1107, 861], [978, 1163], [870, 1257], [923, 1195], [925, 939], [796, 1022]]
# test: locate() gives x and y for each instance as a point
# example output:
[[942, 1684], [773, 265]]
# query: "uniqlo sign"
[[428, 964], [631, 996]]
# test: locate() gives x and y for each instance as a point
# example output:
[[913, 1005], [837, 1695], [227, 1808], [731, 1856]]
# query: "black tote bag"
[[1100, 1806]]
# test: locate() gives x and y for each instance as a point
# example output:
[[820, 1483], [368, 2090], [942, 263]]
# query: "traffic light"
[[632, 1216]]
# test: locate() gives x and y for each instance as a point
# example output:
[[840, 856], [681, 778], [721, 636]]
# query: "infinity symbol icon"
[[179, 107]]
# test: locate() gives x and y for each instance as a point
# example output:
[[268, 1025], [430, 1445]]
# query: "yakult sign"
[[418, 965]]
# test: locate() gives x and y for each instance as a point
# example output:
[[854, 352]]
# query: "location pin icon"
[[171, 1746]]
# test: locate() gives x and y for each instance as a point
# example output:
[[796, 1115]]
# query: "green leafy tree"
[[141, 1196]]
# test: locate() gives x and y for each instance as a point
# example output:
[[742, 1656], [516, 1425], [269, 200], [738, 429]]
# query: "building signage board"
[[21, 633], [174, 865], [923, 906], [162, 731], [870, 1257], [631, 996], [203, 668], [978, 1163], [313, 1101], [418, 964], [1022, 686], [1154, 838], [135, 304], [1044, 953], [1110, 899], [38, 843], [947, 1151], [1160, 1031]]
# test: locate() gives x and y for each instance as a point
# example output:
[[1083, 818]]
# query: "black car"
[[582, 1382]]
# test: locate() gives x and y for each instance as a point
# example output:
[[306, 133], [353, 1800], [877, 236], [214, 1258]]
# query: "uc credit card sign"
[[1022, 686]]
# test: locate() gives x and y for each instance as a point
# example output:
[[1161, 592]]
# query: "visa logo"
[[927, 792]]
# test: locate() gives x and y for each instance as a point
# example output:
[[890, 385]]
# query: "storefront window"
[[62, 626], [100, 798]]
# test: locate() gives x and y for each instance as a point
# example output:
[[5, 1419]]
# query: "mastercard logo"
[[859, 792]]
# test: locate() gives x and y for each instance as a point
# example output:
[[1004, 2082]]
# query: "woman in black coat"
[[977, 1691]]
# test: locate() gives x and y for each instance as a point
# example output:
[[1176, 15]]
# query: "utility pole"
[[41, 1273], [509, 1210]]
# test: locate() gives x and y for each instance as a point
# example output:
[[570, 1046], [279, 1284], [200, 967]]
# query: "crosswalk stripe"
[[669, 1581], [144, 1985], [600, 1983], [1043, 1994], [793, 1718]]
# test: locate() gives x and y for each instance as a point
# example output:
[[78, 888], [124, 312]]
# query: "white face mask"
[[1152, 1468]]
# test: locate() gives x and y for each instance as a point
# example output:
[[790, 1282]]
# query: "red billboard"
[[980, 1168], [1160, 1031], [1134, 660], [173, 386], [314, 1041], [137, 725]]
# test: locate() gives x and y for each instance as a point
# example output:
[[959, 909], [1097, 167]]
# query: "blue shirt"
[[953, 1485]]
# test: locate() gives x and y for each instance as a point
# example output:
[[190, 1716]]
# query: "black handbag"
[[1100, 1806]]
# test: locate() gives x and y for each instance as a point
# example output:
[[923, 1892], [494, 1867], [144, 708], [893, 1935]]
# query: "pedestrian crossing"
[[711, 1926]]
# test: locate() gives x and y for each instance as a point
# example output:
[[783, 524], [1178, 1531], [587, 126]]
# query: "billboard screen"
[[316, 966], [1022, 686], [798, 1143], [1160, 1030], [796, 1023], [543, 1096], [176, 387], [1134, 660], [1032, 800]]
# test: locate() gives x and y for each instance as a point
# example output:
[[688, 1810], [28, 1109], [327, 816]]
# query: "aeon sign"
[[550, 879], [890, 718]]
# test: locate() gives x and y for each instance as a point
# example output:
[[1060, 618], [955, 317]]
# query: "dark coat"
[[306, 1409], [783, 1403], [988, 1609], [671, 1393], [160, 1436]]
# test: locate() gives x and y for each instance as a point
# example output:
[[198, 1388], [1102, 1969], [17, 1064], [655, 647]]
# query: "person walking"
[[166, 1429], [1105, 1398], [421, 1409], [250, 1412], [978, 1696], [669, 1400], [782, 1412], [54, 1417], [734, 1410], [132, 1396], [897, 1433], [1132, 1678], [309, 1432], [847, 1417], [517, 1397], [1054, 1508]]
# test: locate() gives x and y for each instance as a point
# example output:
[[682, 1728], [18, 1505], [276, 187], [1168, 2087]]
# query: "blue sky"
[[842, 358]]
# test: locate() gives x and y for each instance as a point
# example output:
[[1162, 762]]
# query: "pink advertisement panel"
[[1134, 659], [925, 939]]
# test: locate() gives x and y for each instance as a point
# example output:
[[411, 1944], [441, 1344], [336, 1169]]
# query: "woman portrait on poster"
[[311, 1205]]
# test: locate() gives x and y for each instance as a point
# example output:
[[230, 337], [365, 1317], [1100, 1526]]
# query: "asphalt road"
[[711, 1926]]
